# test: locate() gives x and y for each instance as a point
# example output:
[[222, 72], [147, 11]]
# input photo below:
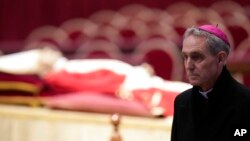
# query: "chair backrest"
[[165, 31], [78, 31], [239, 34], [179, 8], [132, 10], [48, 35], [236, 20], [244, 47], [98, 49], [164, 56], [242, 56], [103, 16], [226, 7]]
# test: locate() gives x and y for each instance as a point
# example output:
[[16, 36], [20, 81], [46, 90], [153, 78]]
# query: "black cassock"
[[199, 119]]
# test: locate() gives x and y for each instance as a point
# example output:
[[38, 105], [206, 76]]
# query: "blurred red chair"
[[78, 31], [147, 15], [94, 49], [160, 16], [130, 33], [239, 27], [164, 56], [132, 10], [178, 9], [103, 17], [245, 45], [239, 34], [235, 18], [52, 35], [242, 56], [247, 10], [204, 16], [106, 32], [164, 31], [226, 8], [181, 23]]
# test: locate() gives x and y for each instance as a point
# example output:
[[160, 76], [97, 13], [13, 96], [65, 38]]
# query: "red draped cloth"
[[101, 81], [155, 98]]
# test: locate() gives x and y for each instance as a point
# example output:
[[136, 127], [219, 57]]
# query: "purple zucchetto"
[[215, 31]]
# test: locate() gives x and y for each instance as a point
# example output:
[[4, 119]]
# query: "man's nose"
[[189, 64]]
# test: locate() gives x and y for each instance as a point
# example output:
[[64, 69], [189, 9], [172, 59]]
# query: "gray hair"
[[214, 43]]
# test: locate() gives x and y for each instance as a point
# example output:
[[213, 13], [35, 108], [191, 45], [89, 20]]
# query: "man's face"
[[200, 65]]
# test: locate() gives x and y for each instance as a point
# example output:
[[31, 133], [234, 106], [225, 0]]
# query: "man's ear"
[[222, 57]]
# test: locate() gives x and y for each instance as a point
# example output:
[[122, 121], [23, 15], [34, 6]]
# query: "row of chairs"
[[135, 23]]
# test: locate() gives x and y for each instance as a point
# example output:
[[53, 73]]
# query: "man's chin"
[[194, 82]]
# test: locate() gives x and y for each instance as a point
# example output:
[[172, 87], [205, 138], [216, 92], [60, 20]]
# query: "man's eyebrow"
[[195, 53], [191, 53]]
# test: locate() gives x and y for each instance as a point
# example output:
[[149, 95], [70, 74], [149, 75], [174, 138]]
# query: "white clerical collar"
[[204, 94]]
